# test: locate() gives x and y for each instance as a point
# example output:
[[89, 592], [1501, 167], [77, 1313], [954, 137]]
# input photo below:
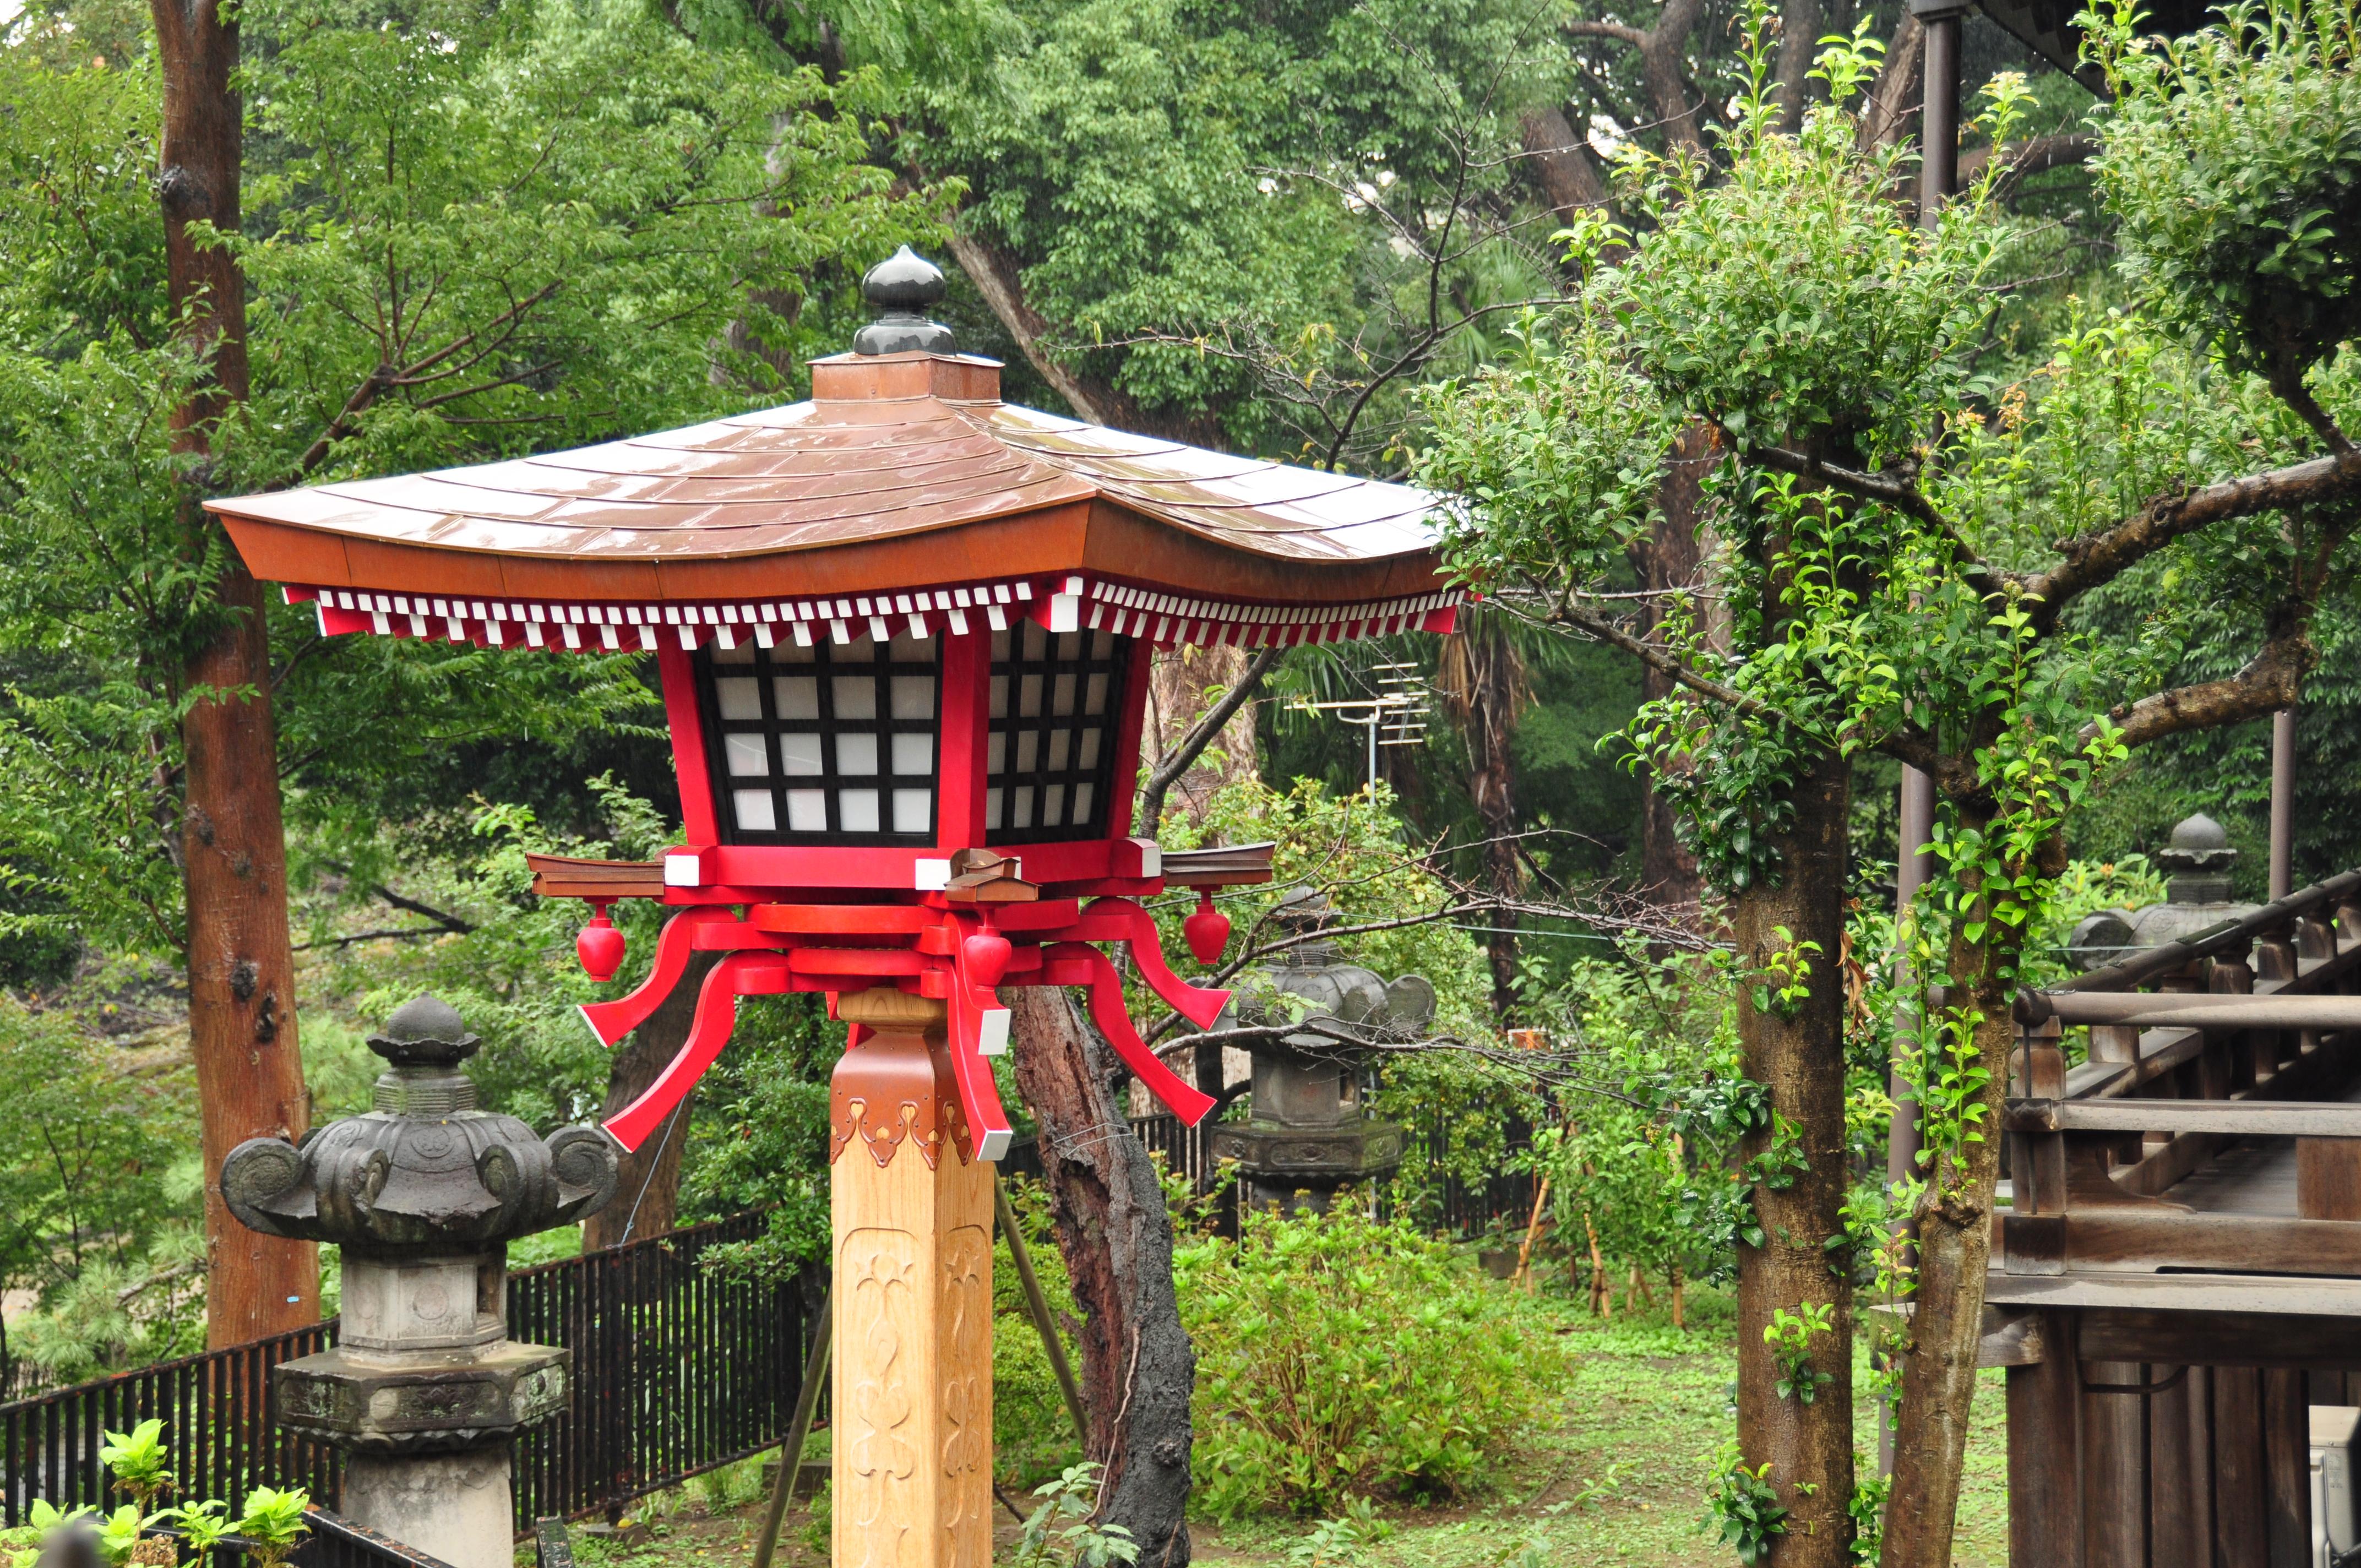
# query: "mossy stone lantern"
[[904, 631]]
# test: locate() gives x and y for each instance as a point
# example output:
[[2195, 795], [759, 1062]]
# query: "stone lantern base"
[[457, 1507]]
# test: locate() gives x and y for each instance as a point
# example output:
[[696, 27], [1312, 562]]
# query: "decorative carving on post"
[[424, 1390], [913, 1337], [1307, 1137]]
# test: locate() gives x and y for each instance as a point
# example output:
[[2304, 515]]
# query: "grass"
[[1615, 1478]]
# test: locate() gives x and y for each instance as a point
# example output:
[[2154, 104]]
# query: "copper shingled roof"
[[912, 452]]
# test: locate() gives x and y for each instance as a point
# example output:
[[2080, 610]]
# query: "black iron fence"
[[677, 1370]]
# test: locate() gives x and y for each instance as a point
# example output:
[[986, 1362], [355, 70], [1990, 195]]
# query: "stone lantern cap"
[[1312, 981], [2197, 861], [424, 1170]]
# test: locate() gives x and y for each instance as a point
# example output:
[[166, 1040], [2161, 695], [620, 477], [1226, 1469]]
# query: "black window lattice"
[[832, 743], [1056, 698]]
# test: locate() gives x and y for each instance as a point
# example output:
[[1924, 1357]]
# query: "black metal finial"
[[426, 1032], [903, 286]]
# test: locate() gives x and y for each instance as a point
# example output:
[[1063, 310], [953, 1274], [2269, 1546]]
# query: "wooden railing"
[[2176, 1282]]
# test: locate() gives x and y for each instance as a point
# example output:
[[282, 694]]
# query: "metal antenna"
[[1395, 716]]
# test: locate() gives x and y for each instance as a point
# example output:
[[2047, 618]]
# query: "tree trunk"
[[1481, 679], [1670, 558], [234, 847], [1139, 1367], [1893, 103], [999, 277], [1560, 163], [1800, 44], [1939, 1368], [1799, 1060], [647, 1190], [1177, 685]]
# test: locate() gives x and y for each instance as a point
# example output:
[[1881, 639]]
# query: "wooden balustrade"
[[2177, 1277]]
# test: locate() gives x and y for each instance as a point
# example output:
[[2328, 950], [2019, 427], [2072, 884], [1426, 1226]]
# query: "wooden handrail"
[[2151, 962], [2228, 1118], [2170, 1010]]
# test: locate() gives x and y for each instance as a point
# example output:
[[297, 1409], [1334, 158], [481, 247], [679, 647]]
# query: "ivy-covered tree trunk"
[[1939, 1367], [1792, 1044], [234, 847], [1138, 1370]]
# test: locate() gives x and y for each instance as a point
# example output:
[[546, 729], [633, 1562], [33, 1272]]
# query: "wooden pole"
[[2282, 803], [911, 1451], [1039, 1304], [791, 1453]]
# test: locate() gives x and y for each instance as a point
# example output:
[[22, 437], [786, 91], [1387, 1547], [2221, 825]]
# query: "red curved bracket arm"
[[610, 1021], [987, 1119], [1199, 1005], [1106, 1007], [740, 974]]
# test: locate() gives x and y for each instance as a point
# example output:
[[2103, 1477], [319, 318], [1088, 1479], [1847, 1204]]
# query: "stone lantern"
[[2197, 863], [424, 1390], [1308, 1137]]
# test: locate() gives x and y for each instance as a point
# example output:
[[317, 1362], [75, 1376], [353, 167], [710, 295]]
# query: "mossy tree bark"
[[1795, 1051]]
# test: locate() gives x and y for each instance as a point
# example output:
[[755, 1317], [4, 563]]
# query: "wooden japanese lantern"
[[904, 632]]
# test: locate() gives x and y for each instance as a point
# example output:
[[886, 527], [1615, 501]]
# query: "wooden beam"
[[2117, 1011], [2221, 1339], [2221, 1295], [2240, 1118], [2132, 1239]]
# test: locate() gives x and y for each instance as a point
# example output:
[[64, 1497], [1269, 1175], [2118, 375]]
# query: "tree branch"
[[1184, 754], [2096, 558], [446, 920], [2272, 680], [1594, 625], [2022, 160], [1899, 494]]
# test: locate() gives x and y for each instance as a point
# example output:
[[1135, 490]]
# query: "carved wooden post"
[[912, 1449]]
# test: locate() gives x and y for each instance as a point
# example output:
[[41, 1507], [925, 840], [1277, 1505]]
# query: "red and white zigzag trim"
[[1059, 604]]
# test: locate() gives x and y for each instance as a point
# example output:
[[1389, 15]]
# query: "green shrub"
[[1032, 1433], [1338, 1356]]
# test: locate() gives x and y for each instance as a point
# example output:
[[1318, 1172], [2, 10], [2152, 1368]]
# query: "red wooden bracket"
[[610, 1021], [740, 974]]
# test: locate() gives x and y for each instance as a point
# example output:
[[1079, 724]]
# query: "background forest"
[[1310, 231]]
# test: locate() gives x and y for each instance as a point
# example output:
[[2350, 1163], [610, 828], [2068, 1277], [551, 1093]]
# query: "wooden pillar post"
[[911, 1207]]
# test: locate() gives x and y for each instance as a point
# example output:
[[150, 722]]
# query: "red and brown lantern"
[[904, 631]]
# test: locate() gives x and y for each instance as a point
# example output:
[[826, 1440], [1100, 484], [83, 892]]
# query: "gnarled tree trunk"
[[1939, 1367], [1139, 1367], [1796, 1052], [647, 1190], [241, 965]]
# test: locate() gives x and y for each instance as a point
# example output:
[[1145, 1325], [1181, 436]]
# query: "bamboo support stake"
[[1039, 1305], [791, 1453], [1533, 1230]]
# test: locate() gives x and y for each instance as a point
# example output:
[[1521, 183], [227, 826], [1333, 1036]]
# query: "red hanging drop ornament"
[[599, 945], [985, 956], [1208, 930]]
